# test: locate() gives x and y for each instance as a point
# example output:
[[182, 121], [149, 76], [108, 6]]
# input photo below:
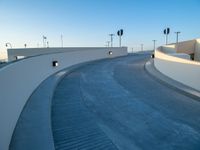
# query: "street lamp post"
[[111, 39], [108, 43], [61, 37], [154, 44], [44, 40], [142, 45], [120, 41], [9, 45], [177, 34]]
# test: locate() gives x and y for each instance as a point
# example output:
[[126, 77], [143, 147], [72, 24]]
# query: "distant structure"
[[111, 39]]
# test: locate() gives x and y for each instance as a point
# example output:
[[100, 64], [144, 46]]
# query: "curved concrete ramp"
[[74, 127], [115, 104]]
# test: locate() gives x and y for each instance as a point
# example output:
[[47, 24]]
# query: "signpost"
[[120, 33], [166, 32]]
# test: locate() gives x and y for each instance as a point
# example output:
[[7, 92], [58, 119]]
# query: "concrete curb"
[[34, 126], [179, 87], [33, 129]]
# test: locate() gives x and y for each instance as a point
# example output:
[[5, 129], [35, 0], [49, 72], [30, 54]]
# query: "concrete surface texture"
[[168, 49], [157, 75], [187, 47], [33, 129], [115, 104], [182, 70], [21, 78], [27, 52], [197, 50], [181, 55]]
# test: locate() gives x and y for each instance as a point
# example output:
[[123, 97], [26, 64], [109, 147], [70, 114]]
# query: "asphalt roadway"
[[115, 104]]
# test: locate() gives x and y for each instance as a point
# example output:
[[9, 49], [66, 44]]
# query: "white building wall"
[[27, 52], [187, 47], [168, 49], [182, 70], [197, 50], [18, 80], [180, 55]]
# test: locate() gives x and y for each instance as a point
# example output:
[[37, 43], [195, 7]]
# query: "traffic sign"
[[120, 32], [167, 31]]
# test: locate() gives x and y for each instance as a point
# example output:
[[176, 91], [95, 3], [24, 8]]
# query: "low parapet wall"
[[187, 47], [197, 50], [180, 69], [19, 80], [13, 54]]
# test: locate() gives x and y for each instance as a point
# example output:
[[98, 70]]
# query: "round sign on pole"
[[168, 30], [165, 31], [120, 32]]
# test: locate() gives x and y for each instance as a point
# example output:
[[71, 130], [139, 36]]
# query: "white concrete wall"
[[12, 53], [187, 47], [180, 55], [182, 70], [168, 49], [18, 80], [197, 50]]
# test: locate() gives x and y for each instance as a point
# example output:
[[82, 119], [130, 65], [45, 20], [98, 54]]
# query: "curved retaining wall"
[[182, 70], [19, 80]]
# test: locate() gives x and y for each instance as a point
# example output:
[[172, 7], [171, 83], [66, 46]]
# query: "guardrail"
[[19, 80]]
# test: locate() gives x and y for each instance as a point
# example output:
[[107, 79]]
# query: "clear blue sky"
[[88, 22]]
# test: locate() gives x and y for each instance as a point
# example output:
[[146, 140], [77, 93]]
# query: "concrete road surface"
[[115, 104]]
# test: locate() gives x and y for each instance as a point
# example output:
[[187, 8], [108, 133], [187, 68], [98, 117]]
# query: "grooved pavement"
[[114, 104]]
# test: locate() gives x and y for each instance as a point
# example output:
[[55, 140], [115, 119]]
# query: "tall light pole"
[[108, 44], [120, 41], [111, 39], [177, 33], [61, 37], [9, 45], [142, 46], [44, 40], [154, 44]]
